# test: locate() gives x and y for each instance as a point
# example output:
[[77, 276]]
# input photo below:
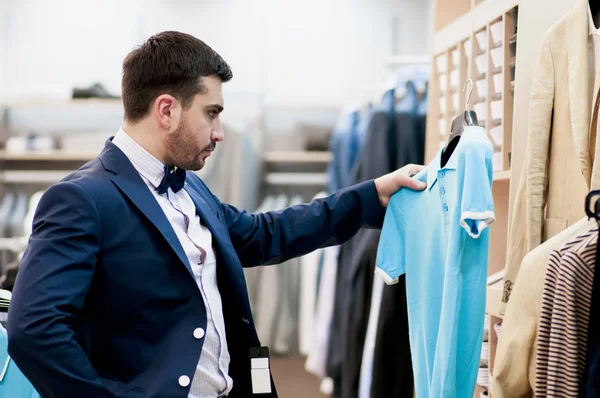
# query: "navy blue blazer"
[[105, 303]]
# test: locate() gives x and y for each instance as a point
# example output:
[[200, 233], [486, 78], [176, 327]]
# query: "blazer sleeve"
[[276, 236], [531, 194], [54, 276]]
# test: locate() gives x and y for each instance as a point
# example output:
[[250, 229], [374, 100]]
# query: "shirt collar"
[[435, 166], [591, 25], [145, 163]]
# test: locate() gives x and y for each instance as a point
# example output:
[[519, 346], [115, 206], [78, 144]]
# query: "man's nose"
[[217, 134]]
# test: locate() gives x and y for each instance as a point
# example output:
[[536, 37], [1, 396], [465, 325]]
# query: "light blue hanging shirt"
[[440, 240], [13, 384]]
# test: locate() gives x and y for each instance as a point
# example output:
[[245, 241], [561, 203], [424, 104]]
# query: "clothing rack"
[[366, 144], [294, 172]]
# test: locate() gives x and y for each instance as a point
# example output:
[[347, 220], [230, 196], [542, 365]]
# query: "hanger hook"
[[470, 92]]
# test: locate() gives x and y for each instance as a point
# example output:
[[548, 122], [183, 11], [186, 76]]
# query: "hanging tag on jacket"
[[259, 368]]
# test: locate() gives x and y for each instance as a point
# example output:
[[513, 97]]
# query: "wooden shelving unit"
[[502, 176], [297, 172], [41, 168], [291, 179], [50, 156], [297, 157], [448, 11], [43, 103], [38, 177], [485, 57], [494, 293], [47, 167]]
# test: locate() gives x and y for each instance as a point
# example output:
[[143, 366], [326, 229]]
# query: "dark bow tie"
[[173, 179]]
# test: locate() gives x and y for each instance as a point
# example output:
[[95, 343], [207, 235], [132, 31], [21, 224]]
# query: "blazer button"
[[247, 322], [184, 381], [199, 333]]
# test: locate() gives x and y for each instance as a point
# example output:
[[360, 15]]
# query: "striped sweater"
[[563, 327]]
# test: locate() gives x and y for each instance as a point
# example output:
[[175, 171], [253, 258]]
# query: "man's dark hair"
[[168, 63]]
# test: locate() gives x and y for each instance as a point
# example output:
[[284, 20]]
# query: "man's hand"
[[389, 184]]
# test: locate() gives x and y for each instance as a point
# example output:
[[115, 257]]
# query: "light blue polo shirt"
[[13, 384], [438, 237]]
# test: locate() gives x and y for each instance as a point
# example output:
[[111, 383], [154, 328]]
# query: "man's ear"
[[167, 111]]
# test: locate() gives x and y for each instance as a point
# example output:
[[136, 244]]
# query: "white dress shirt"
[[211, 378]]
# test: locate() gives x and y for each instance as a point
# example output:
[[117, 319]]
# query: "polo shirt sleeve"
[[477, 204], [390, 252]]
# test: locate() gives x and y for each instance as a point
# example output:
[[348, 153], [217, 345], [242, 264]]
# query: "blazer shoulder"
[[550, 39], [200, 186], [196, 183], [91, 177], [563, 29]]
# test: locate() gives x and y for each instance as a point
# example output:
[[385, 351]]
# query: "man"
[[132, 283]]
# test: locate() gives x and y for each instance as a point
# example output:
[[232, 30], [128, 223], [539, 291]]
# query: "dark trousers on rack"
[[392, 364], [360, 307], [356, 266]]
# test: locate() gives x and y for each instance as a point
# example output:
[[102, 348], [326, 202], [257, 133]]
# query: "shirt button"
[[443, 191], [199, 333], [442, 174], [445, 207], [184, 381]]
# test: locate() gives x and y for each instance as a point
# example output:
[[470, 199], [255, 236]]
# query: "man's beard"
[[182, 147]]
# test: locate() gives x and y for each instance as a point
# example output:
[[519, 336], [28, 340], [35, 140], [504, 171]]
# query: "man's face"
[[199, 129]]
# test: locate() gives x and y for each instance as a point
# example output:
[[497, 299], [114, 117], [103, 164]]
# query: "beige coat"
[[514, 364], [557, 172]]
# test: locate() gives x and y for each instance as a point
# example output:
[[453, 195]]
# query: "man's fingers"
[[418, 185], [414, 184], [414, 169]]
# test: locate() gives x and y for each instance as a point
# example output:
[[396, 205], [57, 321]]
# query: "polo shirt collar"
[[435, 167]]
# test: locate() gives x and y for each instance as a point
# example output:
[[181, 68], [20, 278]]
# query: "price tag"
[[259, 369]]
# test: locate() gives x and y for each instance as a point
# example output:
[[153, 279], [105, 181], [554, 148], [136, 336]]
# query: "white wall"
[[313, 52], [3, 40]]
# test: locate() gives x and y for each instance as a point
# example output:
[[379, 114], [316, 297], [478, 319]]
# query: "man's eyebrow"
[[218, 107]]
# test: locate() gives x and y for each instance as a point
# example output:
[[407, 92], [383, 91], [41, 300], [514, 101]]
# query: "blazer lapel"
[[210, 218], [131, 184], [578, 78]]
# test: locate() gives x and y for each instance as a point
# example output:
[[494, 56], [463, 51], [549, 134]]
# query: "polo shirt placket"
[[443, 198]]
